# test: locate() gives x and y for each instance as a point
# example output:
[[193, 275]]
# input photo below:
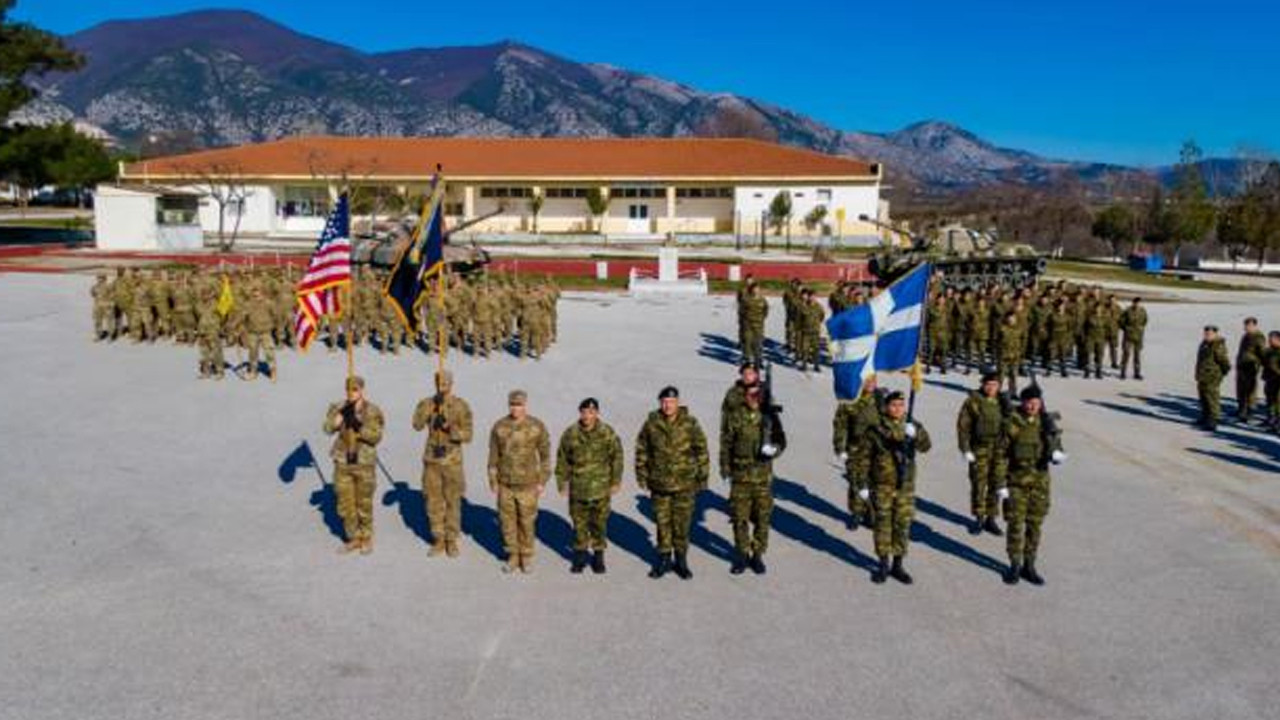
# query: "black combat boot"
[[881, 572], [739, 563], [991, 527], [661, 567], [579, 561], [682, 566], [1137, 375], [597, 562], [1012, 574], [757, 564], [897, 572], [975, 527], [1029, 572]]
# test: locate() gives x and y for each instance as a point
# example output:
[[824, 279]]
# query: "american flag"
[[329, 269]]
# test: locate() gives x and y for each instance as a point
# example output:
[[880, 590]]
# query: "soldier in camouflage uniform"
[[160, 294], [447, 420], [851, 442], [1113, 330], [1248, 365], [938, 332], [1133, 324], [141, 322], [589, 469], [672, 465], [358, 425], [519, 467], [1009, 350], [752, 311], [103, 309], [895, 440], [978, 430], [1212, 365], [1271, 379], [1061, 335], [185, 299], [979, 335], [485, 322], [259, 320], [1031, 442], [808, 331], [751, 438], [121, 300], [209, 327], [1095, 338], [790, 305]]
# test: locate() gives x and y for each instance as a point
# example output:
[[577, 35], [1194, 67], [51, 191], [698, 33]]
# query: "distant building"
[[654, 187]]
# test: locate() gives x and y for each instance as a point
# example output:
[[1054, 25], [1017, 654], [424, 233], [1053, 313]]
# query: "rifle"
[[438, 423], [1048, 425], [350, 428], [771, 415]]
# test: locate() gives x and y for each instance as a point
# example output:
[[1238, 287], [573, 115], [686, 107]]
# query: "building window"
[[824, 195], [639, 192], [704, 192], [453, 208], [566, 192], [506, 192], [177, 210], [305, 201]]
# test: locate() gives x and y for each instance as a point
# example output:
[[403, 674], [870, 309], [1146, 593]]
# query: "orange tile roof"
[[508, 158]]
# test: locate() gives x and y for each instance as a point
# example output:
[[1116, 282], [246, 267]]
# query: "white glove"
[[724, 478], [843, 457], [1003, 493], [1058, 457], [769, 450], [970, 458], [909, 430], [864, 494]]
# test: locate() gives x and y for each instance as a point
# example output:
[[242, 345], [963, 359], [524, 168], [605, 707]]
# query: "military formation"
[[1257, 367], [251, 310]]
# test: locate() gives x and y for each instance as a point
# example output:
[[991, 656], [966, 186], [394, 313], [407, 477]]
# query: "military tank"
[[963, 258], [382, 247]]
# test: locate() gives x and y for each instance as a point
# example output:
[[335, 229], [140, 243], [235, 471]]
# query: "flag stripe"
[[328, 270]]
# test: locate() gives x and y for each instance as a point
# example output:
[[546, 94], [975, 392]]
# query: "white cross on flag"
[[882, 335]]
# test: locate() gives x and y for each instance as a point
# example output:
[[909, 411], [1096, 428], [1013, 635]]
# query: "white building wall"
[[259, 216], [751, 201], [124, 220]]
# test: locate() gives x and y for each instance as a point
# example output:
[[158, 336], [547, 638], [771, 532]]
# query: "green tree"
[[815, 217], [27, 52], [79, 161], [598, 205], [1156, 225], [1117, 226], [1192, 214], [24, 153], [780, 211]]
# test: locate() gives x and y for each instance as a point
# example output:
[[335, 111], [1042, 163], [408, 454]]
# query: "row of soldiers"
[[874, 435], [254, 309], [1257, 365]]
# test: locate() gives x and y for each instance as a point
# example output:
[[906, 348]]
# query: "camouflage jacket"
[[938, 320], [742, 435], [1027, 444], [1133, 321], [1271, 366], [588, 462], [1249, 354], [258, 316], [891, 463], [851, 433], [102, 293], [671, 455], [519, 452], [753, 310], [980, 422], [1212, 363], [364, 441], [444, 444]]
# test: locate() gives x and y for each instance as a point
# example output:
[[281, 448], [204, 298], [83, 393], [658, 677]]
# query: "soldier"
[[851, 442], [447, 420], [672, 465], [1133, 324], [185, 299], [1271, 379], [213, 362], [809, 317], [485, 329], [1095, 338], [103, 311], [519, 466], [750, 439], [259, 320], [748, 376], [1031, 442], [141, 321], [979, 335], [938, 330], [978, 429], [1248, 366], [358, 424], [122, 301], [1061, 334], [790, 305], [1009, 350], [589, 470], [895, 440], [1113, 312], [1212, 365], [160, 294], [752, 311]]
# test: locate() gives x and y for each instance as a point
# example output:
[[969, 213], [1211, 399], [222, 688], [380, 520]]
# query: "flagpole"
[[442, 342], [349, 306], [917, 372]]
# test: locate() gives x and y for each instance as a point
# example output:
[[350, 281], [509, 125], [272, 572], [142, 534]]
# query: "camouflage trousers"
[[443, 485], [212, 360], [484, 338], [1271, 395], [857, 480], [1113, 344], [752, 343], [1008, 371], [750, 511], [1093, 356], [518, 513], [673, 516], [141, 324], [984, 475], [1210, 395], [940, 350], [895, 507], [261, 349], [1131, 350], [1059, 351], [1246, 389], [807, 347], [590, 523], [1024, 513], [104, 320], [354, 485], [976, 350]]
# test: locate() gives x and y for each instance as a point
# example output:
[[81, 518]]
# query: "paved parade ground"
[[169, 546]]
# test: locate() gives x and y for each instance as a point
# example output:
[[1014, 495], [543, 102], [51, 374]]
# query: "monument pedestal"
[[669, 280]]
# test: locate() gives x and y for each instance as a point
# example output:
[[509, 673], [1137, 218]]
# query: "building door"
[[638, 219]]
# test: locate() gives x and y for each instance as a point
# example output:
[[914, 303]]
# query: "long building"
[[649, 187]]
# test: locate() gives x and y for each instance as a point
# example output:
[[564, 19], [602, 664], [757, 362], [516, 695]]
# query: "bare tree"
[[224, 184]]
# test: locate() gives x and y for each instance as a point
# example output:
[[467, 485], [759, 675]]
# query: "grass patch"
[[77, 223], [1076, 270]]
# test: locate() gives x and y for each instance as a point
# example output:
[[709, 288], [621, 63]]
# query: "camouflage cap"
[[355, 382], [517, 397]]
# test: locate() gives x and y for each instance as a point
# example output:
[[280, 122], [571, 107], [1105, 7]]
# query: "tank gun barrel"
[[917, 242]]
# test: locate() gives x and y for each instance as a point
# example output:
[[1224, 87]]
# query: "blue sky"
[[1113, 81]]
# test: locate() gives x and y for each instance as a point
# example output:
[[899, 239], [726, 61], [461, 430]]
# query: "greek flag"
[[882, 335]]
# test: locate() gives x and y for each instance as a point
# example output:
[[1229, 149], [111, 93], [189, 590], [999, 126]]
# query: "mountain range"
[[228, 77]]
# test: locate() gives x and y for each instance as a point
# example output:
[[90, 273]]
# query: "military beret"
[[355, 382], [748, 363], [517, 397], [990, 376], [1031, 392], [669, 391], [1213, 328], [589, 403], [895, 395]]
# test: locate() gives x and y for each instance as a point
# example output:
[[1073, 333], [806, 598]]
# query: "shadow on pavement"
[[480, 522], [413, 511], [922, 533], [792, 526], [794, 492], [323, 499], [554, 532], [699, 536], [1185, 410], [630, 536], [929, 507]]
